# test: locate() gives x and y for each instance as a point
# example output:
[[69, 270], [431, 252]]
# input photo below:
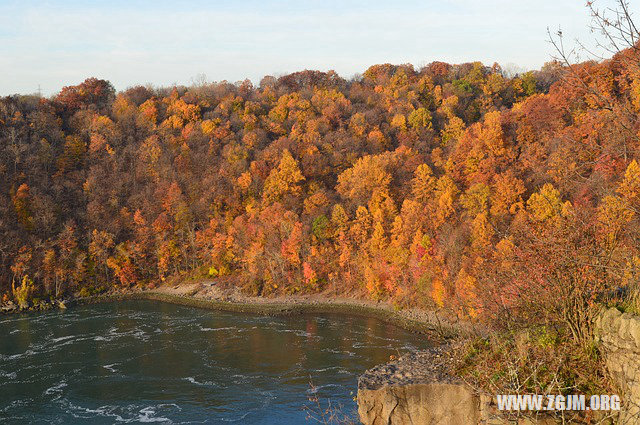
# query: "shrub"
[[535, 361]]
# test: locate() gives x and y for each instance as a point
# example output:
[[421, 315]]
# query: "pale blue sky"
[[57, 43]]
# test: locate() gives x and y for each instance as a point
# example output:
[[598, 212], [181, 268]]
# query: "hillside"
[[451, 187]]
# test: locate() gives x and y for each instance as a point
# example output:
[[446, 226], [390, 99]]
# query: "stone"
[[634, 332], [607, 319], [9, 306], [626, 320], [417, 388], [434, 403], [620, 343], [414, 390]]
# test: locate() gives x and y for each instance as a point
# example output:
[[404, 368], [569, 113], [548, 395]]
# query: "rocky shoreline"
[[418, 388], [11, 308], [431, 365], [208, 296]]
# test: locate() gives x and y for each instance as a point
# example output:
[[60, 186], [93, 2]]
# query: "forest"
[[500, 198]]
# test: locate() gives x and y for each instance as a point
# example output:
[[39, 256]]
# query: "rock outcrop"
[[415, 389], [619, 337], [432, 403]]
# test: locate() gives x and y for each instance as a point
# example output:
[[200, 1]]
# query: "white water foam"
[[131, 414], [337, 369], [9, 375], [315, 389], [17, 356], [217, 329], [56, 388], [147, 415], [110, 367], [62, 338], [334, 351], [204, 384]]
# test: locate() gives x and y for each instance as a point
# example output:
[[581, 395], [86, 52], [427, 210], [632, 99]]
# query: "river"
[[144, 361]]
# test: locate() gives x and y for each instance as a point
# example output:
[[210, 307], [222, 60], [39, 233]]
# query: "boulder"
[[431, 403]]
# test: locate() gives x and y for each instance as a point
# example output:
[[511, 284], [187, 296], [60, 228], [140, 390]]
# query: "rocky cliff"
[[433, 403], [416, 389], [619, 337]]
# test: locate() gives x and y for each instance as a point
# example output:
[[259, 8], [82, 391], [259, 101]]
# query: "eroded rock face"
[[419, 404], [417, 389], [619, 336]]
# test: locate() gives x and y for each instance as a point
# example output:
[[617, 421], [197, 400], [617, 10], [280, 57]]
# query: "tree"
[[545, 204], [100, 249], [506, 194], [423, 184], [420, 118], [91, 92], [22, 205], [283, 180], [629, 188], [368, 175]]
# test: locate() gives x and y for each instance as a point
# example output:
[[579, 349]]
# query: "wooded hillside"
[[450, 186]]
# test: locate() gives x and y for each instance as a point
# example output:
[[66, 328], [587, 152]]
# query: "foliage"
[[539, 360], [23, 292], [503, 199]]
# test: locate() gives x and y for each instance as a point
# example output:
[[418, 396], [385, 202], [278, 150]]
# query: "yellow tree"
[[423, 184], [506, 196], [453, 130], [446, 193], [420, 118], [476, 199], [545, 204], [367, 176], [629, 188], [22, 206], [283, 179]]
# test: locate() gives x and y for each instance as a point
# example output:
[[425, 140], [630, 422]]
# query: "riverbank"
[[209, 296]]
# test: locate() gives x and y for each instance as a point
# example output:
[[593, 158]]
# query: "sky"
[[45, 45]]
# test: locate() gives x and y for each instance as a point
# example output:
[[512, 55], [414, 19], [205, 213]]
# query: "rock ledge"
[[417, 389]]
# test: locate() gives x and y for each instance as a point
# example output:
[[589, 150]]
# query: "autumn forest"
[[495, 197]]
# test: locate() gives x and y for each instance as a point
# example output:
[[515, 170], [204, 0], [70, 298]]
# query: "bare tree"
[[616, 27], [616, 39], [614, 32]]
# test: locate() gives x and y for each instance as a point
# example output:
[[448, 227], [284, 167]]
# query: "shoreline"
[[285, 307], [207, 296]]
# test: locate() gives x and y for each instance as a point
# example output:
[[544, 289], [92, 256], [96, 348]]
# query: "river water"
[[144, 361]]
